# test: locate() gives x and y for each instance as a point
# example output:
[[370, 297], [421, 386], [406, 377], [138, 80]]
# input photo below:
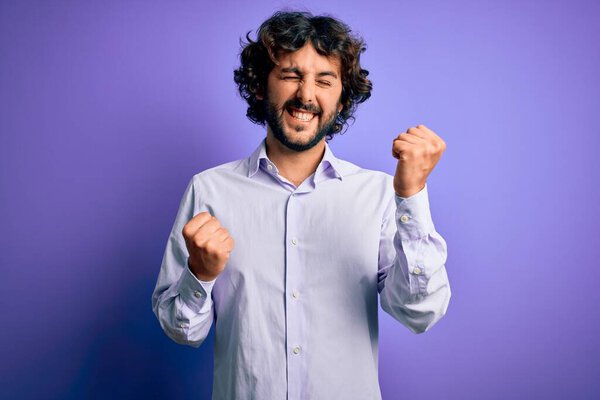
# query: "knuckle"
[[209, 247], [399, 144], [413, 150], [185, 231], [188, 231], [202, 217], [197, 241]]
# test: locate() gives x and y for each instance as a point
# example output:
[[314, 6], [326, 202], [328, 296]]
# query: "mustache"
[[296, 103]]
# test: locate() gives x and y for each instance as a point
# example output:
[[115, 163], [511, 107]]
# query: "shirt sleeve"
[[412, 282], [181, 302]]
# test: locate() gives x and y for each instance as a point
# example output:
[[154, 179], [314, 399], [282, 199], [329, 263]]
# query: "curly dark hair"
[[288, 31]]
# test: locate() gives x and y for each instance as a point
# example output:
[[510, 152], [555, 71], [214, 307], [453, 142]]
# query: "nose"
[[306, 91]]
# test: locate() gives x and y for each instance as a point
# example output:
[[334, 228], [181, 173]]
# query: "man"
[[286, 251]]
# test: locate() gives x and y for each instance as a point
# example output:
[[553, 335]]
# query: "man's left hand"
[[418, 150]]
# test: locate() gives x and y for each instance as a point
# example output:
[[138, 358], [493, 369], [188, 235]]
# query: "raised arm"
[[181, 301], [413, 282]]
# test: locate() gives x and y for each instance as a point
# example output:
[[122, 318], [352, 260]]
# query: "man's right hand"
[[208, 244]]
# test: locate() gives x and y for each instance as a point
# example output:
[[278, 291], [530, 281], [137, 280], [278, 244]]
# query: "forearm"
[[184, 309], [415, 289]]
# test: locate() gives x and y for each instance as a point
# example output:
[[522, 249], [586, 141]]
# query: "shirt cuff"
[[413, 217], [195, 293]]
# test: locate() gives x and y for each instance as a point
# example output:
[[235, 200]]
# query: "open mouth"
[[301, 115]]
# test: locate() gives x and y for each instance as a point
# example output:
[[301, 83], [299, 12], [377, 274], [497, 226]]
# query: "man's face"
[[303, 98]]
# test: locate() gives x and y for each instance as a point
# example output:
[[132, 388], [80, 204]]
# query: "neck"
[[295, 166]]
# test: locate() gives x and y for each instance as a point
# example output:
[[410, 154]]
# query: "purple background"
[[107, 109]]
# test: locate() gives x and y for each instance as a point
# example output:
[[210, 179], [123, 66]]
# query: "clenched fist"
[[418, 150], [208, 244]]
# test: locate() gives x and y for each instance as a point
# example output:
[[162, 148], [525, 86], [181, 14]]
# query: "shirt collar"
[[329, 167]]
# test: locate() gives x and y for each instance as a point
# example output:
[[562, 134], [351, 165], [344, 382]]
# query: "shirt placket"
[[294, 304]]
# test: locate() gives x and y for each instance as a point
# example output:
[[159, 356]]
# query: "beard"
[[274, 117]]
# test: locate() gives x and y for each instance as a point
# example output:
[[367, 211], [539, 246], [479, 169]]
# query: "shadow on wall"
[[131, 357], [128, 355]]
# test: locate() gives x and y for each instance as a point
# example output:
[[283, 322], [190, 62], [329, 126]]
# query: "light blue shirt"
[[295, 310]]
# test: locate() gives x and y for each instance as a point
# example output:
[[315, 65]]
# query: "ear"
[[259, 93], [340, 108]]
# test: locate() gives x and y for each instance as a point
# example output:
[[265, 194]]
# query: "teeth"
[[302, 116]]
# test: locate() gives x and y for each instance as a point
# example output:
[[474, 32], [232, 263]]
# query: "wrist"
[[200, 274], [408, 192]]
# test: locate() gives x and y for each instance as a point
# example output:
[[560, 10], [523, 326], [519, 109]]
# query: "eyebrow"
[[296, 71]]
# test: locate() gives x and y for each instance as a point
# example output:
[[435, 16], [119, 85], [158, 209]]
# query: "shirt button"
[[294, 242], [404, 218], [295, 294], [270, 167], [296, 350], [417, 271], [182, 325], [197, 294]]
